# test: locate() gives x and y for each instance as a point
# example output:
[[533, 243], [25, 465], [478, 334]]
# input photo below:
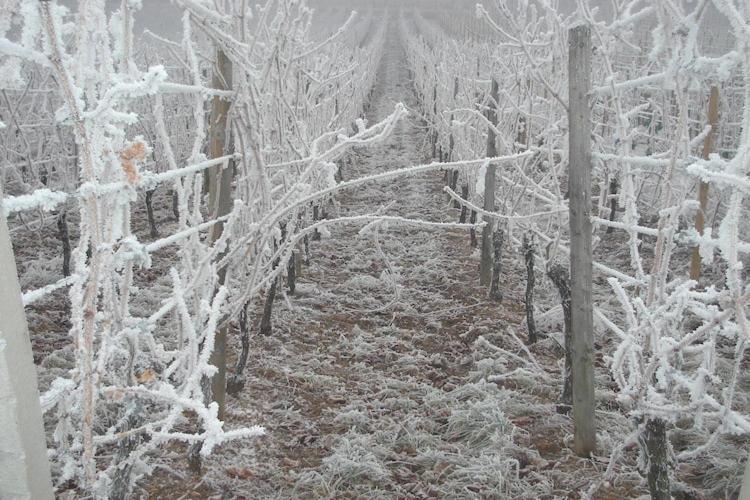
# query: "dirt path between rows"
[[378, 379]]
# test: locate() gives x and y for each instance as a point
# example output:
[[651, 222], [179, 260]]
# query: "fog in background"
[[164, 17]]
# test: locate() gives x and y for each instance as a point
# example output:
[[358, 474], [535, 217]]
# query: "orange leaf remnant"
[[146, 376], [129, 156]]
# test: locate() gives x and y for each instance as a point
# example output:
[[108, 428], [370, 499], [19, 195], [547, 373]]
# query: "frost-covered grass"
[[480, 424], [353, 466]]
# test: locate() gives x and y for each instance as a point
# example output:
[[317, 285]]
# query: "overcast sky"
[[162, 17]]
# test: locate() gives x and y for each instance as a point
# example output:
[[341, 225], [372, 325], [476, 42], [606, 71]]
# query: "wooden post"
[[579, 189], [451, 139], [613, 187], [434, 117], [485, 264], [24, 468], [496, 292], [454, 186], [528, 255], [464, 210], [220, 204], [708, 145], [745, 488], [473, 231]]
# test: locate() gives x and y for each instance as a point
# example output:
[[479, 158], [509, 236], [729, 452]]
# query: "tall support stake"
[[745, 488], [579, 188], [434, 117], [24, 468], [485, 263], [451, 139], [220, 204], [708, 146], [528, 249]]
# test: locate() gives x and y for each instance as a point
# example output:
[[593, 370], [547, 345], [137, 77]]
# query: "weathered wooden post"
[[745, 488], [528, 254], [434, 117], [452, 144], [496, 292], [451, 139], [220, 204], [24, 468], [579, 188], [708, 145], [473, 231], [485, 264], [464, 210], [454, 185], [613, 187]]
